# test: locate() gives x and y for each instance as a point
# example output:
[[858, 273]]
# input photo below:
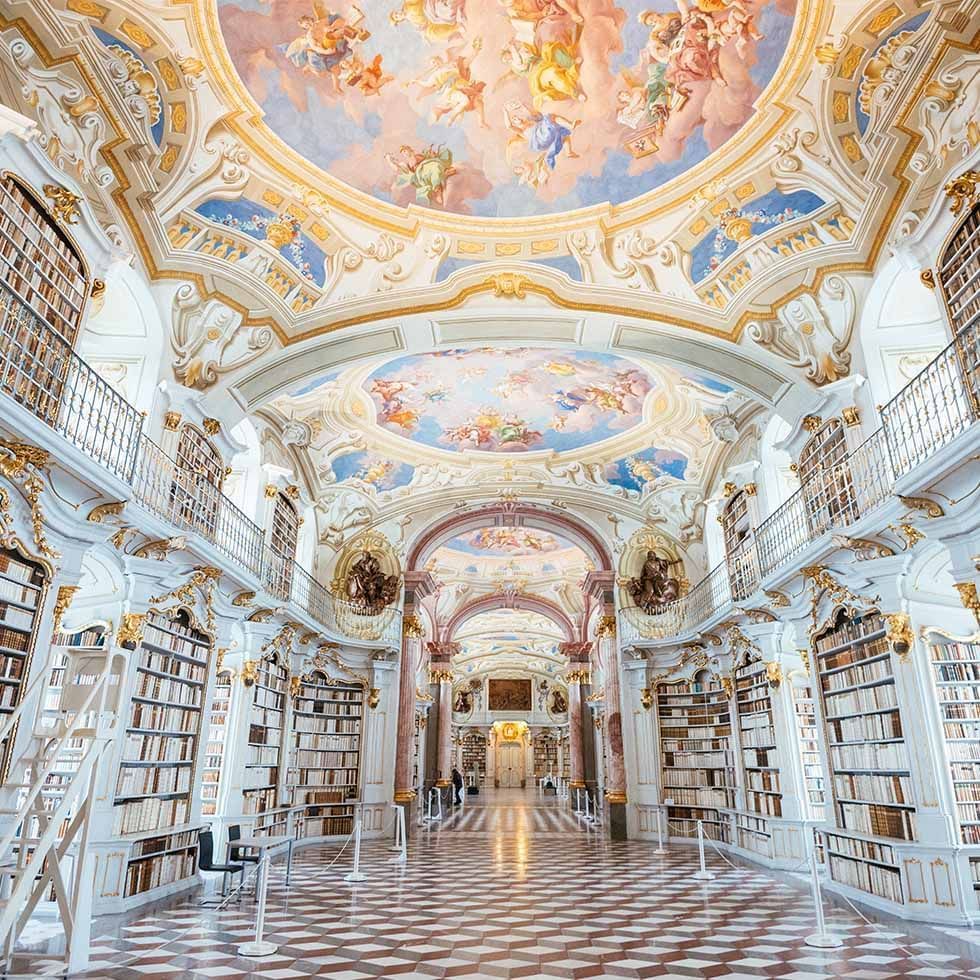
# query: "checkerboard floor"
[[514, 887]]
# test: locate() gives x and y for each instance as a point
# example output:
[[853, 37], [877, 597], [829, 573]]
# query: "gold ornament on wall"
[[243, 599], [962, 190], [64, 204], [646, 698], [65, 595], [130, 632], [898, 634], [968, 596], [171, 421], [606, 627], [211, 426], [774, 674], [373, 698], [250, 672], [928, 278], [271, 490], [851, 416], [412, 627], [929, 507], [811, 423]]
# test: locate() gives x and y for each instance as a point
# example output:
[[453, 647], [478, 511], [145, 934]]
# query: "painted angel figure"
[[451, 78], [428, 172], [368, 79], [326, 42], [646, 103], [687, 43], [545, 134], [436, 20], [552, 71]]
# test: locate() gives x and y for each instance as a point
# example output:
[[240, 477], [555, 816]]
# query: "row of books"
[[165, 663], [184, 644], [865, 728], [951, 652], [878, 819], [324, 777], [9, 696], [149, 814], [15, 617], [160, 718], [148, 781], [956, 672], [149, 873], [693, 744], [861, 701], [310, 706], [11, 668], [338, 726], [325, 741], [864, 672], [14, 640], [871, 878], [259, 734], [703, 796], [157, 748], [324, 760], [93, 636], [263, 755], [762, 780], [266, 697], [848, 632], [758, 736], [173, 691], [695, 732], [766, 803], [874, 788], [699, 760], [13, 568], [960, 711], [958, 692], [889, 756]]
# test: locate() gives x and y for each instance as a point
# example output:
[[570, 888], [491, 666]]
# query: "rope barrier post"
[[660, 832], [402, 834], [821, 939], [258, 946], [399, 827], [578, 801], [704, 874], [356, 875]]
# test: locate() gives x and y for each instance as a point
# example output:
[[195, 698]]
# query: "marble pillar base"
[[616, 817]]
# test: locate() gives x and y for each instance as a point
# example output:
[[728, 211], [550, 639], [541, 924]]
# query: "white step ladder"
[[46, 803]]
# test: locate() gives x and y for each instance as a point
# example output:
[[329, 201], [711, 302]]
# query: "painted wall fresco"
[[770, 209], [506, 542], [506, 107], [374, 469], [508, 400], [637, 471]]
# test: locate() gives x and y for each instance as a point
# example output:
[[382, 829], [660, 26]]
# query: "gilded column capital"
[[579, 677], [412, 627]]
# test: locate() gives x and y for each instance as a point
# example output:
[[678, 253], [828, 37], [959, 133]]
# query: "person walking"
[[457, 787]]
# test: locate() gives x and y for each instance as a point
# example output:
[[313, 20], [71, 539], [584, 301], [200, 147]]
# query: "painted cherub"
[[428, 171], [545, 134], [368, 79], [552, 71], [436, 20], [326, 42], [450, 76]]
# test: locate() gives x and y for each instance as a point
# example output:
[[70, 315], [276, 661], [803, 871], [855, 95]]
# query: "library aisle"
[[515, 886]]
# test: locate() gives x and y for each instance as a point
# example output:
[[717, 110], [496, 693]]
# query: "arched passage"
[[529, 603]]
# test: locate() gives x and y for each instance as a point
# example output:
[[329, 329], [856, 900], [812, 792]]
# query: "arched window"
[[197, 483], [285, 533], [43, 286], [825, 478], [737, 526]]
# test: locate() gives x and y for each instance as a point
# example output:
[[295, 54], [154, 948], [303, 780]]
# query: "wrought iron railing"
[[191, 503], [936, 406], [40, 371]]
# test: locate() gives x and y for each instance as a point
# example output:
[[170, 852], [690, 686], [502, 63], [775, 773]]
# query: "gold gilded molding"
[[270, 491], [61, 603], [968, 597], [929, 507], [211, 426], [646, 698], [64, 203], [811, 422], [606, 627], [171, 421], [898, 633], [22, 455], [412, 627], [928, 278], [962, 191], [130, 632], [250, 672], [851, 416], [243, 599], [113, 509]]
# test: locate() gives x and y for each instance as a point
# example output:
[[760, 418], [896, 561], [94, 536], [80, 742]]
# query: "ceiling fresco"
[[506, 107], [506, 542], [508, 400]]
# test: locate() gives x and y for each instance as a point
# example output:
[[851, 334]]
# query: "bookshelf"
[[417, 754], [805, 716], [757, 737], [545, 755], [955, 667], [698, 771], [22, 584], [325, 767], [154, 786], [214, 749], [475, 755], [566, 764], [266, 727], [871, 800]]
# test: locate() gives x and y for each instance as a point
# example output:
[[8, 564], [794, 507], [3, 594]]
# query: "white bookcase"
[[698, 765], [325, 763]]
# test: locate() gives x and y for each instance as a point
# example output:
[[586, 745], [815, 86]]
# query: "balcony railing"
[[39, 370], [939, 404]]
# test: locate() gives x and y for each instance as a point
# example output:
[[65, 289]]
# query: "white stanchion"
[[578, 802], [258, 946], [821, 939], [401, 840], [704, 874], [356, 875], [434, 817], [660, 832]]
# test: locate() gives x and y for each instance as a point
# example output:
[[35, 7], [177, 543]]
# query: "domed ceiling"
[[506, 542], [506, 107]]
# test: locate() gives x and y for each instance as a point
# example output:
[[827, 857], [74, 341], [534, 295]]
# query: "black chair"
[[239, 853], [205, 861]]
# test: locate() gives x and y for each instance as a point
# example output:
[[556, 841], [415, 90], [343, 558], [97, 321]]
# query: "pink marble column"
[[405, 752], [578, 673], [444, 677], [615, 765]]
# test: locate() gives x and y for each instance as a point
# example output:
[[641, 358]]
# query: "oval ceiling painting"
[[506, 107], [508, 400]]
